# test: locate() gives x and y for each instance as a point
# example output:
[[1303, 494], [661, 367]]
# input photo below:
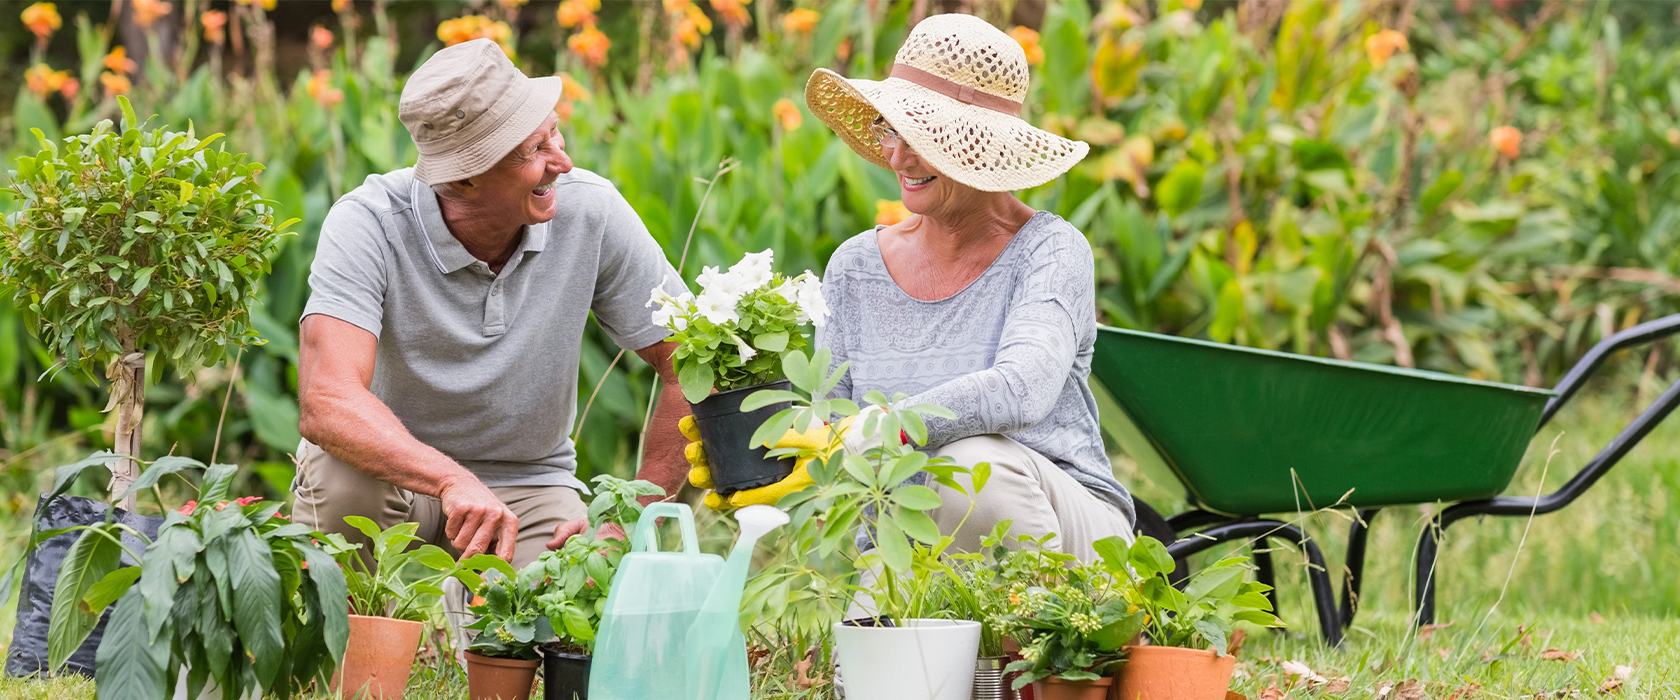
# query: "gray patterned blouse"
[[1009, 353]]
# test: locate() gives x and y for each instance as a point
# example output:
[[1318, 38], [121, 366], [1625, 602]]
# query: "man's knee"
[[327, 490]]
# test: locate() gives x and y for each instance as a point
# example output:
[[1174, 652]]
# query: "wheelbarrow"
[[1252, 432]]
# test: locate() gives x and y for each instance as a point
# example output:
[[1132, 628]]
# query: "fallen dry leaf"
[[1624, 672], [1409, 689], [1445, 653], [1427, 631], [1339, 685], [1610, 685], [1234, 695], [1595, 618], [1385, 688], [1465, 692], [1271, 693], [1235, 642], [1560, 655]]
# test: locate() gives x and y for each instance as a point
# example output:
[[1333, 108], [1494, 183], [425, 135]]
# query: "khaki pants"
[[328, 489]]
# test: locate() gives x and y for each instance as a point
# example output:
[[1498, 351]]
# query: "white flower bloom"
[[810, 298], [754, 270], [672, 317], [747, 351], [717, 308], [660, 297]]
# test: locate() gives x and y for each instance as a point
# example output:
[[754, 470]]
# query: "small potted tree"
[[126, 243], [391, 600], [731, 339], [1188, 629], [578, 577]]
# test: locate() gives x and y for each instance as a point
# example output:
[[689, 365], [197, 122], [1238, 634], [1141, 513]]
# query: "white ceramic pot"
[[918, 660]]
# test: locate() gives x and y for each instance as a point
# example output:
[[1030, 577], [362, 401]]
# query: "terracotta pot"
[[1172, 673], [1054, 688], [490, 678], [378, 658]]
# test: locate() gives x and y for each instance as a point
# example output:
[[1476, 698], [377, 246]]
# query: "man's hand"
[[577, 526], [477, 518], [818, 439]]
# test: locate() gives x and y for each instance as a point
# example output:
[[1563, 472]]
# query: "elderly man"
[[439, 348]]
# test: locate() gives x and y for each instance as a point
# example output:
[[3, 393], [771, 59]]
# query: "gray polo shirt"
[[481, 366]]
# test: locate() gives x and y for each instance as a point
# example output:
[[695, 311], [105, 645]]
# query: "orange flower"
[[215, 26], [1028, 39], [148, 11], [321, 37], [844, 50], [119, 61], [691, 24], [571, 89], [42, 19], [591, 45], [115, 84], [787, 114], [266, 4], [340, 5], [70, 87], [321, 90], [1192, 4], [511, 4], [1380, 46], [889, 212], [800, 21], [471, 27], [43, 81], [476, 601], [574, 13], [733, 12], [1507, 140]]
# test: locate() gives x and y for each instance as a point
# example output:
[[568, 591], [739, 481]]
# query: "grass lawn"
[[1592, 588]]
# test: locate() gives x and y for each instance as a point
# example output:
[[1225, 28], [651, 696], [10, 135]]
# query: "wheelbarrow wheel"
[[1149, 522]]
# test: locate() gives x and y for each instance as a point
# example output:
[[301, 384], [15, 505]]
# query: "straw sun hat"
[[954, 95]]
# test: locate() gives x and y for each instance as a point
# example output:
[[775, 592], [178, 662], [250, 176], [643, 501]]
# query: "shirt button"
[[495, 289]]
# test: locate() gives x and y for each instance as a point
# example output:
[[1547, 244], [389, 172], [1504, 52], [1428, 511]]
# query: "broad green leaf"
[[917, 525], [696, 380], [93, 557], [797, 367], [109, 589], [218, 479], [893, 546], [768, 397], [1181, 188], [256, 598], [1149, 557], [1437, 193], [128, 666], [916, 497], [1119, 632], [154, 473], [771, 342]]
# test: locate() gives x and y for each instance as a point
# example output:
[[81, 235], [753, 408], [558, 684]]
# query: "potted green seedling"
[[578, 577], [502, 658], [1189, 629], [1072, 622], [230, 600], [731, 340], [901, 650], [391, 600]]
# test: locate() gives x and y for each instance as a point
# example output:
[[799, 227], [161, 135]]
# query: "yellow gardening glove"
[[700, 471]]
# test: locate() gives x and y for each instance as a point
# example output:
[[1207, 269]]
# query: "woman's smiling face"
[[924, 190]]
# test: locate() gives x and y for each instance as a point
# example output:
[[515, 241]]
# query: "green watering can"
[[670, 626]]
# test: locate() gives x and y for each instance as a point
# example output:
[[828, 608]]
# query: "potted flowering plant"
[[578, 577], [731, 339], [1189, 628], [1072, 622], [502, 659], [390, 602]]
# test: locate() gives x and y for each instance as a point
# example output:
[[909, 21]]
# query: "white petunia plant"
[[734, 334]]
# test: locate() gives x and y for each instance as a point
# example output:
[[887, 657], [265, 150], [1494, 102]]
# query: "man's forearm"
[[356, 427], [662, 459]]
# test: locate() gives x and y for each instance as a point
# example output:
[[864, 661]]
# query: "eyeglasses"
[[884, 134]]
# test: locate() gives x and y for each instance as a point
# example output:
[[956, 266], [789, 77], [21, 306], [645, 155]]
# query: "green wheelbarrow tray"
[[1253, 431]]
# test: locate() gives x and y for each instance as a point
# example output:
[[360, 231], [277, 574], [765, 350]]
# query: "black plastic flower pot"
[[565, 676], [725, 433]]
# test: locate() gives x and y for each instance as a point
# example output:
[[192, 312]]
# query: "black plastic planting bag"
[[28, 653]]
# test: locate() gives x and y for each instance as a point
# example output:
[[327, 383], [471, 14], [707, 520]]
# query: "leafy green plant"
[[403, 583], [579, 574], [1070, 619], [229, 591], [1201, 616], [735, 334], [133, 239], [511, 624]]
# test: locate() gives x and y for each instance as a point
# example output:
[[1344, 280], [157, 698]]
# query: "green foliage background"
[[1255, 177]]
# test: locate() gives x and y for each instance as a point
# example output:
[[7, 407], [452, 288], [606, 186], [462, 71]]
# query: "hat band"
[[966, 94]]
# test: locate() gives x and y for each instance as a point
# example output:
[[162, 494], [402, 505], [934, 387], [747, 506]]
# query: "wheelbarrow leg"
[[1428, 555], [1358, 533], [1324, 596], [1263, 571]]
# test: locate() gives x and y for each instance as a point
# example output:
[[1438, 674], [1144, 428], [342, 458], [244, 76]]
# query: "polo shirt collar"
[[448, 252]]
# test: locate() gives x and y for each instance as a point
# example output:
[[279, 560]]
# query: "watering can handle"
[[647, 538]]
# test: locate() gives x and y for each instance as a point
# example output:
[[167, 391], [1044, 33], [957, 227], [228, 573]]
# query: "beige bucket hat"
[[468, 106], [955, 95]]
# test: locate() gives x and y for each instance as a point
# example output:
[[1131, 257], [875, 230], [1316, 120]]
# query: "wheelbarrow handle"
[[1572, 382]]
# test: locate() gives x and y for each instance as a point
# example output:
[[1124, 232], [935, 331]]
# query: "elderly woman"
[[976, 302]]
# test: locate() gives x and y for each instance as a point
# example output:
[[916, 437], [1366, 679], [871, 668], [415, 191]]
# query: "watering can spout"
[[717, 654]]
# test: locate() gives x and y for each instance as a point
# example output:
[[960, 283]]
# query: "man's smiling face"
[[522, 183]]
